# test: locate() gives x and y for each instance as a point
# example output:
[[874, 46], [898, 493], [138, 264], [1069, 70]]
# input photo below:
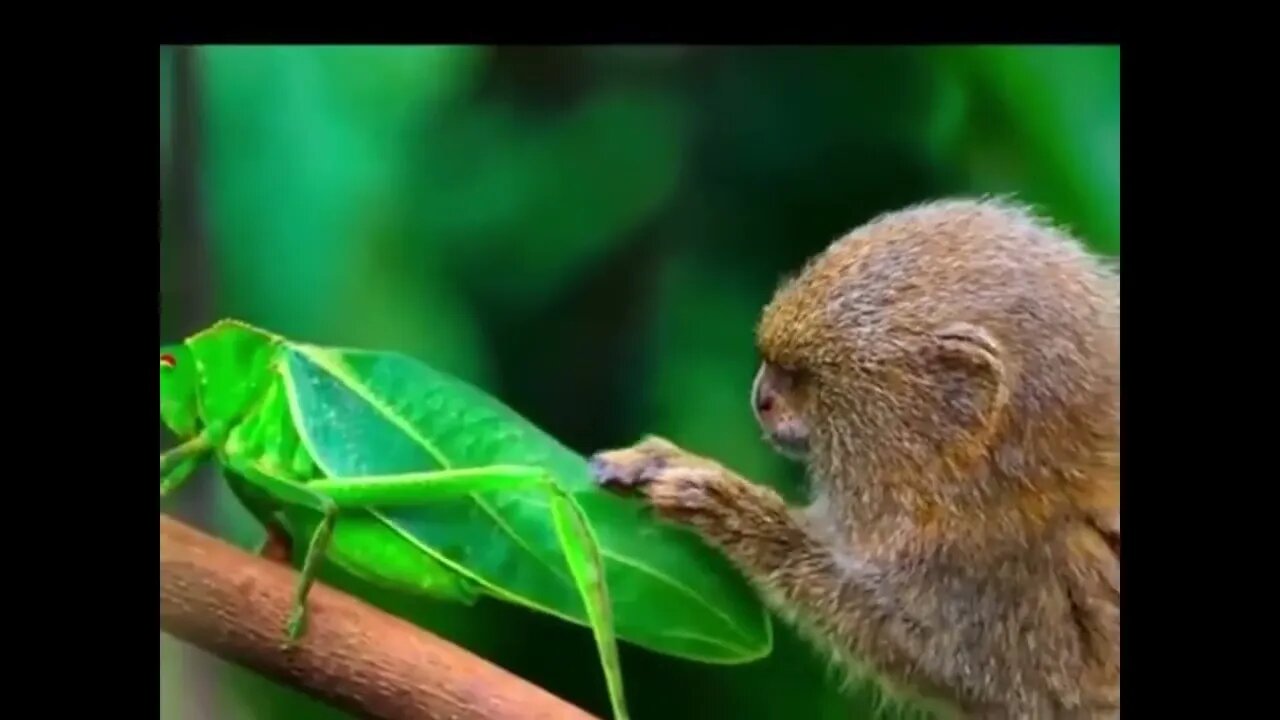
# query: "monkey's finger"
[[624, 469]]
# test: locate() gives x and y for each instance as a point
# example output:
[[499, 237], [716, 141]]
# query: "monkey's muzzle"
[[783, 428]]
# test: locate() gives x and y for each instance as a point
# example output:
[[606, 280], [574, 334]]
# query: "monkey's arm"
[[845, 602], [793, 567], [749, 522]]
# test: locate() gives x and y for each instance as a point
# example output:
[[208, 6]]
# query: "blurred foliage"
[[588, 234]]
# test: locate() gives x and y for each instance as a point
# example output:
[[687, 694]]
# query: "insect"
[[421, 483]]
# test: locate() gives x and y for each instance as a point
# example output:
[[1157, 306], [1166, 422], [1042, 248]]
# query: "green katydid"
[[419, 482]]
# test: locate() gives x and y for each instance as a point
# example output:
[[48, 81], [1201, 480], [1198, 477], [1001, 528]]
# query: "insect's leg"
[[411, 489], [292, 493], [582, 553], [278, 546], [177, 475], [577, 541], [179, 463], [196, 446]]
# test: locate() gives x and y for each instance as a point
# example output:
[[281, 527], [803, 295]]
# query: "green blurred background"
[[587, 233]]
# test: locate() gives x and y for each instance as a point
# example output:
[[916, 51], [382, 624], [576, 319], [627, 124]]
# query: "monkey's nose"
[[764, 402]]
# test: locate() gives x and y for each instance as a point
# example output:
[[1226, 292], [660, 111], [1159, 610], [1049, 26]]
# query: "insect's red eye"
[[168, 360]]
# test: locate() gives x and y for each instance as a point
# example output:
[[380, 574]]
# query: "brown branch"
[[354, 656]]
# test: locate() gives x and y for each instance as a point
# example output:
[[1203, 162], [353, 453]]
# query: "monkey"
[[948, 374]]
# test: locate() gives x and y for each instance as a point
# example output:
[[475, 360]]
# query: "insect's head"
[[178, 385]]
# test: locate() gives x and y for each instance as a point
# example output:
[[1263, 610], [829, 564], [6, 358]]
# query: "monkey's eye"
[[786, 377]]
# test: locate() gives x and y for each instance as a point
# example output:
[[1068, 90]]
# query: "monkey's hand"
[[694, 491]]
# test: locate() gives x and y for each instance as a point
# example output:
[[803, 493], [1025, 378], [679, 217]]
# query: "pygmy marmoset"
[[950, 375]]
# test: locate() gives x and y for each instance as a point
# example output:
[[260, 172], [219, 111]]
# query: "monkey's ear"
[[968, 368]]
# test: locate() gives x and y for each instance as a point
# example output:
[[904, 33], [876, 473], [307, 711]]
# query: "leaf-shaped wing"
[[377, 413]]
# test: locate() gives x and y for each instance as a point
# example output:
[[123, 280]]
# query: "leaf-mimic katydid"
[[422, 483]]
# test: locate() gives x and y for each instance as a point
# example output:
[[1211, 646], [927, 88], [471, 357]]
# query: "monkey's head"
[[919, 339]]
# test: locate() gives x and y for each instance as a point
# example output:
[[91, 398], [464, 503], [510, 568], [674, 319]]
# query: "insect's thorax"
[[264, 443], [265, 439], [271, 450]]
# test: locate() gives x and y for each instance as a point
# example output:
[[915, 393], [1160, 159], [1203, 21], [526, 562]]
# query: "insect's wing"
[[371, 413]]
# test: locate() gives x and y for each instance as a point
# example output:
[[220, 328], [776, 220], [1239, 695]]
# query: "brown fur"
[[950, 372]]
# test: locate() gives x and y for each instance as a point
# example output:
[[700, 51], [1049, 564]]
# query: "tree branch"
[[354, 656]]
